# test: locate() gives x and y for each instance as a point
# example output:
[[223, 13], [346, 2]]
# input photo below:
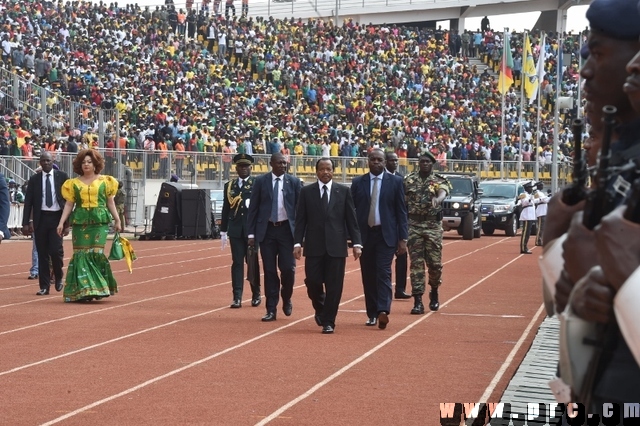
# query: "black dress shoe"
[[402, 295], [42, 292], [255, 301], [271, 316], [59, 285], [33, 277], [237, 303], [327, 329], [383, 320], [287, 307], [371, 322], [318, 320], [525, 252]]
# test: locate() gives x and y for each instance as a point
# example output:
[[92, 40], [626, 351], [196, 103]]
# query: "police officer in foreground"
[[613, 375], [424, 193], [237, 192]]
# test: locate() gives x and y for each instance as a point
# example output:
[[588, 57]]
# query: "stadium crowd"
[[210, 84]]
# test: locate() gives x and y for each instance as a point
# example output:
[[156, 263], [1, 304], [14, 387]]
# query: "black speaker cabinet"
[[196, 213], [167, 216]]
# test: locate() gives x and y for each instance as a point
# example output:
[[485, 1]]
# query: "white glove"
[[223, 237]]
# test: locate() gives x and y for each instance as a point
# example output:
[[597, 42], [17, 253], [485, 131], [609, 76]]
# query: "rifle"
[[600, 201], [577, 191]]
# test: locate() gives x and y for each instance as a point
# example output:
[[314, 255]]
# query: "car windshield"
[[497, 190], [461, 186]]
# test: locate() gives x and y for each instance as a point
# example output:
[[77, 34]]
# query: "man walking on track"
[[234, 227], [324, 215], [271, 224]]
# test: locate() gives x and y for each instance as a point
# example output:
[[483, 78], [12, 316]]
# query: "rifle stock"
[[600, 202], [577, 191]]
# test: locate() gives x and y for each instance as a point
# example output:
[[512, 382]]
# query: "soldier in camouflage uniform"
[[424, 193]]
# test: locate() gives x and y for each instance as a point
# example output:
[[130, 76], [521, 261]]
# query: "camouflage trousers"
[[425, 248]]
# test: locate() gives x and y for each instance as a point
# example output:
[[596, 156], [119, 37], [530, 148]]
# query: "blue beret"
[[618, 19]]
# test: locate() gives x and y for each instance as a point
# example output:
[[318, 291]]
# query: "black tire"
[[467, 227], [477, 232], [488, 230], [511, 227]]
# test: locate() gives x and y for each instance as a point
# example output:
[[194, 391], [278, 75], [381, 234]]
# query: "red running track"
[[168, 350]]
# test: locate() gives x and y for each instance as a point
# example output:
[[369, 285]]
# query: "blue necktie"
[[274, 204]]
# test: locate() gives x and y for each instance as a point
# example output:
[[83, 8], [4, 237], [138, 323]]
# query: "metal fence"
[[211, 170], [53, 112]]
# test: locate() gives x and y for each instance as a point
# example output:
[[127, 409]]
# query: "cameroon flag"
[[505, 80]]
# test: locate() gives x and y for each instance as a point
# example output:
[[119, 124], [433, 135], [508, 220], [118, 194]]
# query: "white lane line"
[[137, 267], [507, 362], [138, 253], [484, 315], [179, 370], [367, 354]]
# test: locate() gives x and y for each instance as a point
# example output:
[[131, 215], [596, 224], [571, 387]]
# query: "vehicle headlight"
[[456, 205], [501, 208]]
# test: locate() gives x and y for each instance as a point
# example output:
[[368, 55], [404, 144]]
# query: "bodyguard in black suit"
[[324, 215], [401, 259], [43, 206], [234, 226], [382, 218], [271, 223]]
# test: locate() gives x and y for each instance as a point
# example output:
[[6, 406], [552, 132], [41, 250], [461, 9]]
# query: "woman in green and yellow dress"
[[89, 274]]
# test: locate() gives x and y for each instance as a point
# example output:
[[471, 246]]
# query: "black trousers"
[[49, 247], [324, 278], [526, 233], [277, 254], [401, 273], [375, 266], [238, 260]]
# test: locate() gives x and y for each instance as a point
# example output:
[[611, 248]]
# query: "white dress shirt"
[[282, 212], [55, 206]]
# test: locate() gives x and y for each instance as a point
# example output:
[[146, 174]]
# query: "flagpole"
[[504, 59], [556, 116], [537, 163], [579, 109], [522, 76]]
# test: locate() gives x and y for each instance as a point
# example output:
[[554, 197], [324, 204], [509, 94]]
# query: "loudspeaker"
[[196, 213], [167, 216]]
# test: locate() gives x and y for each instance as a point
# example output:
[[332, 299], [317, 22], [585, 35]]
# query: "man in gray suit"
[[324, 215], [270, 226]]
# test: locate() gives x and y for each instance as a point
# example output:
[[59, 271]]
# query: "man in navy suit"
[[5, 204], [382, 218], [43, 206], [270, 226], [324, 215]]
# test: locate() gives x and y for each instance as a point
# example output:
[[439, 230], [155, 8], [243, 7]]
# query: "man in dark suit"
[[43, 206], [382, 218], [271, 223], [391, 159], [234, 226], [324, 215], [5, 205]]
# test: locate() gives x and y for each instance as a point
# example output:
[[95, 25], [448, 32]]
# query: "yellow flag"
[[529, 72], [129, 254]]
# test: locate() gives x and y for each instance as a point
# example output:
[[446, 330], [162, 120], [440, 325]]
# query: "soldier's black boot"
[[434, 304], [418, 307]]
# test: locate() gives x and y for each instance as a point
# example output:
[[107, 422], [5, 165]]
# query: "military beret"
[[618, 19], [243, 160], [429, 155]]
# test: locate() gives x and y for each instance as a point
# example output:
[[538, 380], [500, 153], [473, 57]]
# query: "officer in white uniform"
[[542, 200], [527, 215]]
